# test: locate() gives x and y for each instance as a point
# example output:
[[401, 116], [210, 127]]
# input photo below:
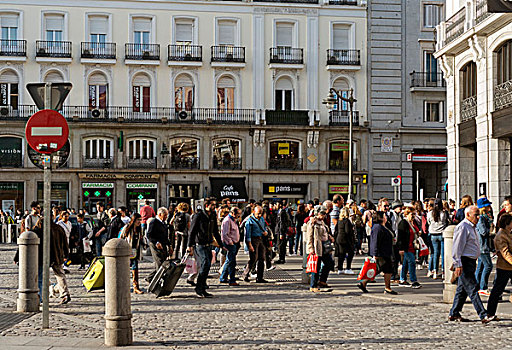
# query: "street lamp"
[[332, 100]]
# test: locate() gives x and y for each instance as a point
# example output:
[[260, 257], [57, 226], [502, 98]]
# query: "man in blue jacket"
[[255, 229]]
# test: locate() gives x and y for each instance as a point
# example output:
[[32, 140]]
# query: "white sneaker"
[[349, 272], [434, 275], [273, 267], [430, 274], [419, 267], [253, 275], [341, 272]]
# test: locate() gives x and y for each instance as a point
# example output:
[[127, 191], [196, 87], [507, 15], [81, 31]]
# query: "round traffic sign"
[[47, 131]]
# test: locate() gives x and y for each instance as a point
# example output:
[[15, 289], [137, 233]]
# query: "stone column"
[[118, 316], [28, 301], [449, 289]]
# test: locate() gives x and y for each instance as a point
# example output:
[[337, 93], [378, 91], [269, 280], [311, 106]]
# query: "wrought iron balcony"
[[503, 95], [11, 160], [140, 163], [286, 117], [56, 49], [142, 51], [185, 163], [468, 109], [19, 112], [344, 57], [227, 53], [287, 55], [285, 163], [455, 25], [481, 11], [13, 48], [98, 50], [227, 164], [186, 53], [235, 116], [427, 79], [343, 2], [98, 163], [290, 1], [342, 118]]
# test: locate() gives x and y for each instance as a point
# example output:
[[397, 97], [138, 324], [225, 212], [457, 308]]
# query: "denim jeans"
[[409, 264], [298, 241], [438, 254], [230, 264], [483, 270], [40, 282], [500, 282], [204, 262], [325, 265], [291, 243], [99, 242], [467, 286]]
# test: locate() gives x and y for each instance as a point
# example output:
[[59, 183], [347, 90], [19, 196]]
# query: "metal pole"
[[350, 122], [47, 178]]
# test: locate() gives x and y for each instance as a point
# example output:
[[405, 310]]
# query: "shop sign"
[[232, 188], [283, 148], [97, 185], [427, 158], [10, 151], [10, 186], [141, 186], [284, 189], [338, 189], [339, 147], [112, 176]]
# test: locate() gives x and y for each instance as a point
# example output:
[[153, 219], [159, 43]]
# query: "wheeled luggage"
[[94, 277], [167, 277]]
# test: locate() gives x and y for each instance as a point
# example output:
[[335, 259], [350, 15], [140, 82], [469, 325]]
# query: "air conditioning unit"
[[145, 54], [184, 115], [4, 111], [98, 113], [188, 57]]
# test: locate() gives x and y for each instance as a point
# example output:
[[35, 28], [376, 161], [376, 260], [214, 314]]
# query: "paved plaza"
[[281, 315]]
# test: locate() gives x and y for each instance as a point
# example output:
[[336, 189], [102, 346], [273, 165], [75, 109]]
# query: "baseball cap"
[[483, 202]]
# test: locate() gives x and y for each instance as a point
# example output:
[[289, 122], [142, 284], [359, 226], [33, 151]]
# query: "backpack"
[[180, 222]]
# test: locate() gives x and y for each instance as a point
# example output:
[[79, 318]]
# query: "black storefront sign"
[[10, 152], [285, 189], [229, 187]]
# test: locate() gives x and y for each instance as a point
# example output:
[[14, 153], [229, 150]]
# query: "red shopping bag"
[[423, 247], [312, 265], [368, 271]]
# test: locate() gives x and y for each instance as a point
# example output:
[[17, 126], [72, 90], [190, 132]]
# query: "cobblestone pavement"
[[274, 316]]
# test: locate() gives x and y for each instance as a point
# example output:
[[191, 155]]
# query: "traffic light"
[[365, 178]]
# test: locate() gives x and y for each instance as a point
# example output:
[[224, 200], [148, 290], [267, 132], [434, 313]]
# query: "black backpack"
[[180, 222]]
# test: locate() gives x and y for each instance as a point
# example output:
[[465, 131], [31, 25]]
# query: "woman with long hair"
[[408, 233], [438, 220], [132, 232], [300, 215]]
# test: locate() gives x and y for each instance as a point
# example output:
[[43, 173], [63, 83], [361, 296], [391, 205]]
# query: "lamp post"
[[332, 100]]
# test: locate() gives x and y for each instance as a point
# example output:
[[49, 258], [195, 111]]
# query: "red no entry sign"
[[47, 131]]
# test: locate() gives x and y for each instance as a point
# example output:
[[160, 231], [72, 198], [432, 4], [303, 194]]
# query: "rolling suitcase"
[[167, 277], [94, 277]]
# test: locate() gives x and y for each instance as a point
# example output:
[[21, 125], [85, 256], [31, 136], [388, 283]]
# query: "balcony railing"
[[288, 55], [227, 53], [343, 2], [290, 1], [285, 163], [427, 79], [56, 49], [140, 163], [21, 112], [98, 163], [455, 25], [98, 50], [344, 57], [342, 118], [13, 48], [286, 117], [227, 164], [11, 160], [503, 95], [481, 11], [342, 165], [468, 109], [185, 163], [142, 51], [186, 53]]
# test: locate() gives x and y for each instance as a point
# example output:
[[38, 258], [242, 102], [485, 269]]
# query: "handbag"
[[191, 265], [312, 264], [291, 231], [327, 247], [87, 245], [368, 271], [423, 248]]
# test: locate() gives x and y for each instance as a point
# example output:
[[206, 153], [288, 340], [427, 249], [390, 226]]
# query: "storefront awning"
[[229, 187]]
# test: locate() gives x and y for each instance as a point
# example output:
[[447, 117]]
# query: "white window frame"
[[351, 36], [195, 28], [97, 140], [141, 139], [88, 15], [295, 32], [237, 29], [20, 20], [65, 29], [152, 33], [440, 6], [441, 111]]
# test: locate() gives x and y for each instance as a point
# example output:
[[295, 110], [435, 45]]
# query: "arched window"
[[226, 95], [141, 153], [97, 152], [339, 156], [184, 153], [284, 94], [53, 77], [98, 91], [504, 63], [141, 93], [226, 154], [468, 103], [285, 154], [342, 85], [9, 84], [183, 93]]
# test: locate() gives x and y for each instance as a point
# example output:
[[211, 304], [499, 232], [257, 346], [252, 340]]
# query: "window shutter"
[[183, 80], [225, 82], [9, 21], [142, 25], [183, 32], [340, 37], [284, 34], [55, 22], [146, 99], [226, 32], [98, 25], [54, 77], [284, 84], [141, 80], [9, 77], [98, 79]]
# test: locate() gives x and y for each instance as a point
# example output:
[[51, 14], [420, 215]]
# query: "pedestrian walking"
[[407, 238], [284, 225], [181, 224], [101, 230], [146, 212], [230, 237], [84, 232], [438, 220], [300, 216], [132, 233], [466, 250], [255, 229], [483, 228], [158, 237], [344, 235], [465, 202]]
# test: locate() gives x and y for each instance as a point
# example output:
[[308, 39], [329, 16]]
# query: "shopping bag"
[[423, 251], [312, 264], [368, 271], [190, 265]]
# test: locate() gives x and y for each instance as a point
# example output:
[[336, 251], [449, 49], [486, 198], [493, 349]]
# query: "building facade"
[[474, 48], [406, 99], [176, 100]]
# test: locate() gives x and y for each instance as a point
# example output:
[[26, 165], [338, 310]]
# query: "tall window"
[[430, 62], [98, 29], [433, 111], [225, 95], [284, 95], [431, 15], [9, 26], [141, 30], [340, 37], [183, 93], [184, 31], [504, 63], [141, 149], [226, 154], [141, 93], [468, 80], [284, 149], [342, 86], [98, 148], [339, 154], [284, 34], [54, 27], [226, 33], [98, 91], [9, 89]]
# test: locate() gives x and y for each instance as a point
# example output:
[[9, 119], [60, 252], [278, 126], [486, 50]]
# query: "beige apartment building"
[[177, 100]]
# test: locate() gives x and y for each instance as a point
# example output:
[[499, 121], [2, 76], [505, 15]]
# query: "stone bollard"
[[118, 315], [449, 289], [28, 300]]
